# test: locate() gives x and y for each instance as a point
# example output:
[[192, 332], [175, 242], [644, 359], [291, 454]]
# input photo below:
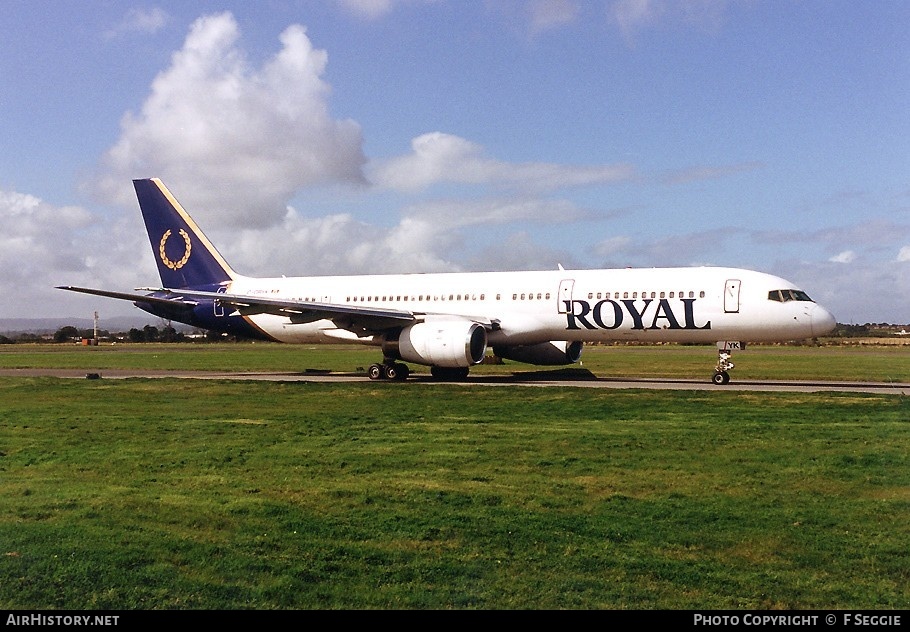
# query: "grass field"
[[877, 363], [186, 494]]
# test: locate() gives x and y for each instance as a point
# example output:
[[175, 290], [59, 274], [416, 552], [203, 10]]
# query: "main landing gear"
[[391, 370], [724, 364], [388, 371]]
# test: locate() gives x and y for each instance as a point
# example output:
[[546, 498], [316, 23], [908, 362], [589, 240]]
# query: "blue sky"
[[373, 136]]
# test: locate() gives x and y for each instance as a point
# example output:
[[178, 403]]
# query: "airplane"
[[448, 321]]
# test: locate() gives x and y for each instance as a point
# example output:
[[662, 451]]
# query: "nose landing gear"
[[724, 364]]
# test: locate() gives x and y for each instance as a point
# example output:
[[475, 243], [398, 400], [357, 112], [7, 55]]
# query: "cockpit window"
[[782, 296]]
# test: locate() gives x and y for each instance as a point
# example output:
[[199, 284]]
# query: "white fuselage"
[[696, 305]]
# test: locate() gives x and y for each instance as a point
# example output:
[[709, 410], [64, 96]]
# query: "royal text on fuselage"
[[610, 314]]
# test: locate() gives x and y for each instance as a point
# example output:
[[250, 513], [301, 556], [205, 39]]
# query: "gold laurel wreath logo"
[[175, 265]]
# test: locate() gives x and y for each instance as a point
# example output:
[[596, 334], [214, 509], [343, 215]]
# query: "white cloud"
[[519, 251], [430, 237], [450, 214], [140, 21], [35, 240], [633, 16], [904, 254], [613, 246], [549, 14], [444, 158], [847, 256], [370, 9], [341, 244], [43, 246], [375, 9], [238, 140]]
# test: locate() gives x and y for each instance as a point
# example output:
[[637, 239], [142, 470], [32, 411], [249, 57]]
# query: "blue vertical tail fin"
[[185, 256]]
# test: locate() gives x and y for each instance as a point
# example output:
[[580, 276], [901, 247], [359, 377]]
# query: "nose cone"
[[823, 321]]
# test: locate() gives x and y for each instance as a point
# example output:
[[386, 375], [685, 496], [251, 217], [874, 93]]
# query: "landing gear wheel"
[[396, 371], [720, 378], [724, 364], [388, 371]]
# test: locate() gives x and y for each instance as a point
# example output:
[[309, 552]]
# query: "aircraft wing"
[[360, 320], [354, 318]]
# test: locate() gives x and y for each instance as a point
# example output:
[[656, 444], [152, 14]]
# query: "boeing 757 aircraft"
[[448, 321]]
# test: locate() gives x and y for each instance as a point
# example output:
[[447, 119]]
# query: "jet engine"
[[444, 343], [555, 352]]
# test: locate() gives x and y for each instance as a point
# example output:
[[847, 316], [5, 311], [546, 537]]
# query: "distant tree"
[[169, 334], [150, 333], [66, 334], [6, 341], [135, 335]]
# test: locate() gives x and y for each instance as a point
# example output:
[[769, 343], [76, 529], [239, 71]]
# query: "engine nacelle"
[[445, 343], [555, 352]]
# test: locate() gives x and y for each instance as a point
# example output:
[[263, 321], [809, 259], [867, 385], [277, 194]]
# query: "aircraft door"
[[219, 309], [564, 296], [731, 296]]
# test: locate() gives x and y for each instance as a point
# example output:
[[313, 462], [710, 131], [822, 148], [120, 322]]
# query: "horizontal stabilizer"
[[174, 301]]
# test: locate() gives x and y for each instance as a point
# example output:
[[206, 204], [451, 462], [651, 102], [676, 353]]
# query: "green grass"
[[161, 494], [837, 363]]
